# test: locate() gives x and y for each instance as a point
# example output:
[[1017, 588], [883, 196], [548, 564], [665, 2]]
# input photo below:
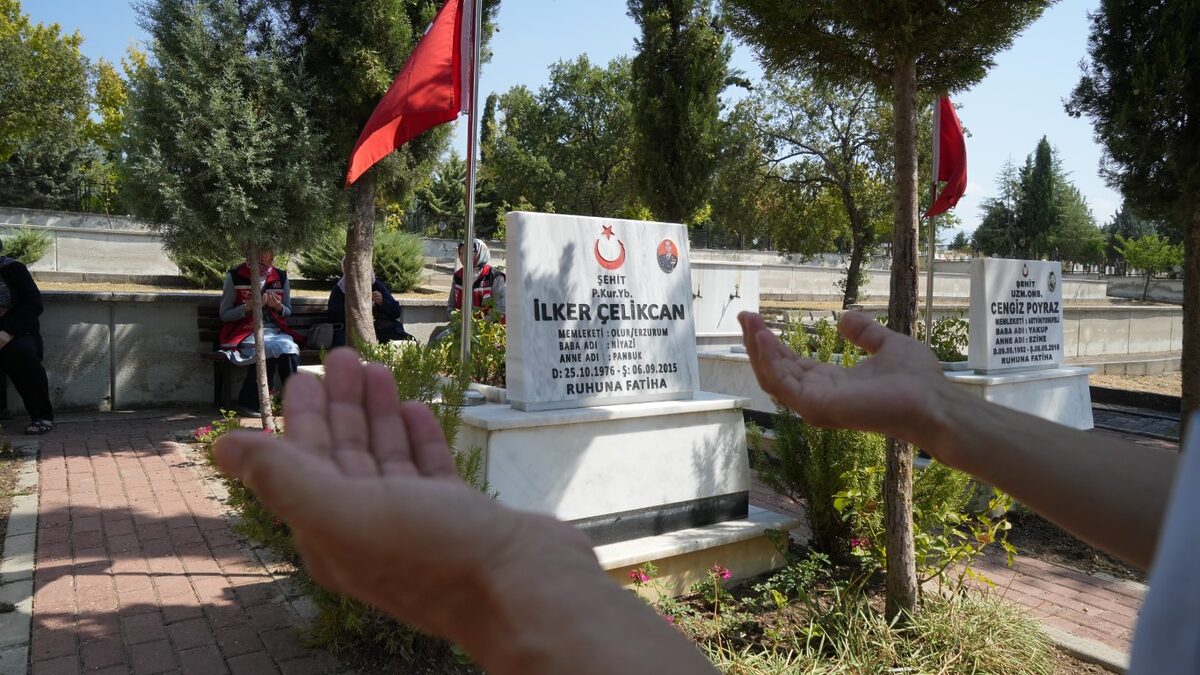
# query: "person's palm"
[[376, 506], [889, 392]]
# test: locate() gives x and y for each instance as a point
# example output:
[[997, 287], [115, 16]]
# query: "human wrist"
[[528, 600], [939, 431]]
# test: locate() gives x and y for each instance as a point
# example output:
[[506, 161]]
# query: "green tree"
[[1141, 89], [960, 242], [443, 198], [904, 49], [1127, 224], [679, 72], [1037, 215], [828, 136], [1151, 254], [1075, 237], [568, 145], [223, 155], [43, 83], [352, 51]]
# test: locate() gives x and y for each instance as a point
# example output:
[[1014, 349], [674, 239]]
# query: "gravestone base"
[[665, 482], [1057, 394], [685, 557], [618, 472]]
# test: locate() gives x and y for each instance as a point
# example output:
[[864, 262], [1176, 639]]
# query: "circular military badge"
[[668, 255]]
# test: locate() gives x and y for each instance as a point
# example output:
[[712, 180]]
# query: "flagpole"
[[931, 226], [469, 238]]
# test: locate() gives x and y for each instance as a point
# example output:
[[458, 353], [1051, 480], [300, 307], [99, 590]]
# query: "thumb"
[[285, 478]]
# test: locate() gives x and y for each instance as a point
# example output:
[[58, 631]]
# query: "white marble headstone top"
[[1016, 315], [599, 312]]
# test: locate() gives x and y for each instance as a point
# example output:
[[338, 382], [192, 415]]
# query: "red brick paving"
[[137, 570]]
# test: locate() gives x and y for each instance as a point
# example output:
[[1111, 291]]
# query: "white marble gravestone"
[[1015, 348], [1016, 315], [599, 312]]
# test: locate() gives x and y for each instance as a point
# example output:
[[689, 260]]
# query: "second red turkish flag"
[[431, 89], [950, 158]]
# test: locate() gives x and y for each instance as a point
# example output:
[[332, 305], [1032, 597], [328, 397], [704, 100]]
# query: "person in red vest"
[[488, 288], [237, 334]]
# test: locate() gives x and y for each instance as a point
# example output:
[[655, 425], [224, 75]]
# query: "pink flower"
[[722, 572], [857, 543], [639, 577], [670, 619], [201, 432]]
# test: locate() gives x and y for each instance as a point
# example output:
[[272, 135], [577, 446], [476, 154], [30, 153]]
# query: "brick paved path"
[[1101, 609], [136, 569]]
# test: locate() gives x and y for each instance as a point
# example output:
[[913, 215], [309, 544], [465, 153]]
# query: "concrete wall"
[[91, 243], [816, 283], [1161, 290], [1089, 332], [107, 351]]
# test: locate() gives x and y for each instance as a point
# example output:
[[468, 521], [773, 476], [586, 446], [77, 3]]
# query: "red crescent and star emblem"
[[1025, 270], [607, 264]]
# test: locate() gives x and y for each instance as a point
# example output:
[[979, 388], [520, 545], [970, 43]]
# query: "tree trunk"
[[360, 243], [260, 352], [1191, 314], [1146, 287], [858, 242], [902, 317]]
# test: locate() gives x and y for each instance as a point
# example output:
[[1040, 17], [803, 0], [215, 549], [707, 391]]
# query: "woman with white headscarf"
[[487, 291]]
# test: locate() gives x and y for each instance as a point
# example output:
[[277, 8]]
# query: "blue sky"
[[1015, 105]]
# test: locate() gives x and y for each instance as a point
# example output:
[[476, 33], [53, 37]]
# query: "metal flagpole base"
[[472, 397]]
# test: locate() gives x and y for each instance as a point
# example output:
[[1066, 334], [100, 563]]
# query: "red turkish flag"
[[949, 158], [431, 89]]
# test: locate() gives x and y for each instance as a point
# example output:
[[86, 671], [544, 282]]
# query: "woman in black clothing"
[[21, 342], [385, 310]]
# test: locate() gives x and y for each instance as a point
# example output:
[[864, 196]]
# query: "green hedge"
[[399, 259]]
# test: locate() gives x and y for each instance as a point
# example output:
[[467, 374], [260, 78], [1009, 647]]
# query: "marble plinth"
[[618, 472], [1057, 394], [728, 371], [684, 557]]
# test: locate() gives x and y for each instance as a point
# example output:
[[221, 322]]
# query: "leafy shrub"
[[814, 464], [399, 259], [950, 335], [27, 246], [489, 340], [205, 270], [947, 536]]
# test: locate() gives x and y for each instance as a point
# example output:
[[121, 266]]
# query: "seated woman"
[[21, 347], [385, 310], [487, 291], [237, 334]]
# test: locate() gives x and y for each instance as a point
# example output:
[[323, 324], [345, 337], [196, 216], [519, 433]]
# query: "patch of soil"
[[1069, 665], [10, 463], [1170, 384], [1039, 538]]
